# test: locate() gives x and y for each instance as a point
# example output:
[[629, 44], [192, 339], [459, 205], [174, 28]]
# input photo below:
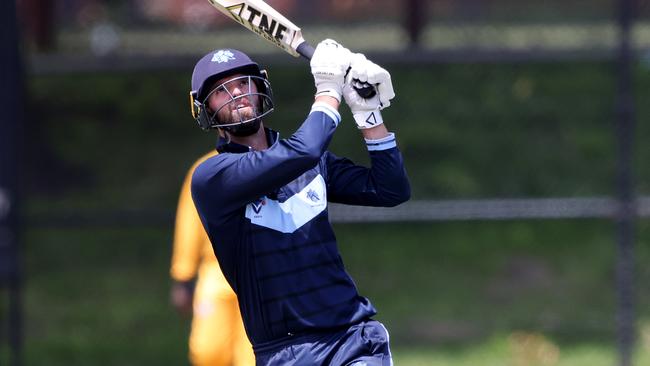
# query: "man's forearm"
[[375, 133]]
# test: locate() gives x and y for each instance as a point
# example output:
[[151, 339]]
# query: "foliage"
[[466, 130]]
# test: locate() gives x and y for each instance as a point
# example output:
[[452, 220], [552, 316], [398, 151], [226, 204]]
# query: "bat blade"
[[266, 22]]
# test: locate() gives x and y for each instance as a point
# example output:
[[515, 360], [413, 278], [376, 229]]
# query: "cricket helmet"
[[220, 64]]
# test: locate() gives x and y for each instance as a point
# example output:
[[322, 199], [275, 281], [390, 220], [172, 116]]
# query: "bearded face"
[[235, 99]]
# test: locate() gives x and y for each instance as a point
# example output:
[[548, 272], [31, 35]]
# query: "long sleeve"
[[385, 183], [234, 180]]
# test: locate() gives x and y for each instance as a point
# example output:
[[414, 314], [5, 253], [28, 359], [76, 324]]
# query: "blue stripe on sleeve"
[[385, 143], [327, 109]]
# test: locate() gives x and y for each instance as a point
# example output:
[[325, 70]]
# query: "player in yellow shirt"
[[217, 337]]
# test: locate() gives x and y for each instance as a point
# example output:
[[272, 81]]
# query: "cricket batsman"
[[263, 203]]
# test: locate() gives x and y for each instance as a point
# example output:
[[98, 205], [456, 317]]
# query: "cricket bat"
[[266, 22]]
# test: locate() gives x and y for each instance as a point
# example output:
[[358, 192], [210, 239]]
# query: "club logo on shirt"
[[313, 195], [292, 213], [257, 205]]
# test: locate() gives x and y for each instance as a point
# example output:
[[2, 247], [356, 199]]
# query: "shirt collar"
[[225, 145]]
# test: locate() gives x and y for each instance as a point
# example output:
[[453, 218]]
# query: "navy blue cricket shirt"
[[266, 215]]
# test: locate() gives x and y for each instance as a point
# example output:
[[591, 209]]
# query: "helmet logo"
[[222, 56]]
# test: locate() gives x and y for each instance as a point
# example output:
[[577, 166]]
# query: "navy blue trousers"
[[362, 344]]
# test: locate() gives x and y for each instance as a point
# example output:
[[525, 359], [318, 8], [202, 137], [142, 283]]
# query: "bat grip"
[[364, 89], [305, 50]]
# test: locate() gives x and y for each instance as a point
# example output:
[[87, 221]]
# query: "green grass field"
[[450, 293]]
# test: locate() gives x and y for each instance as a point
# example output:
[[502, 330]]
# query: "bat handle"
[[305, 50], [364, 89]]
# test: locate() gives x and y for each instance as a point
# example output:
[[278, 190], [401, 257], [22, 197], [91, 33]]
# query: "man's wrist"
[[375, 133], [329, 92], [186, 284], [331, 101]]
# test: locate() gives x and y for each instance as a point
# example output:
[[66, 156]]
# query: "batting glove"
[[328, 65], [366, 111]]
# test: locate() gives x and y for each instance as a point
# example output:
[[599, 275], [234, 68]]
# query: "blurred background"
[[522, 127]]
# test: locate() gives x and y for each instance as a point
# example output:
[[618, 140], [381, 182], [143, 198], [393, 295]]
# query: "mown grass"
[[450, 293]]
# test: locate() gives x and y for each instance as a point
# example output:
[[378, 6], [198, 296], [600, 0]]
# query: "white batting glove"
[[366, 111], [328, 65]]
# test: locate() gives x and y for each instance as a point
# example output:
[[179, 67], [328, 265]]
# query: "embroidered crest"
[[291, 214], [257, 205], [222, 56], [313, 195]]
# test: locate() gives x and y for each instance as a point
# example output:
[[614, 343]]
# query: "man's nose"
[[235, 90]]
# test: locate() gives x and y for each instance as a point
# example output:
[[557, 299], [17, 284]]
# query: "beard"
[[243, 114], [240, 110], [245, 129]]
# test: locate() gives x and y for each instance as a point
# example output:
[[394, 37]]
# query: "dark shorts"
[[363, 344]]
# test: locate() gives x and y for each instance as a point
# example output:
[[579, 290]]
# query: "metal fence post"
[[414, 21], [39, 19], [11, 98], [626, 215]]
